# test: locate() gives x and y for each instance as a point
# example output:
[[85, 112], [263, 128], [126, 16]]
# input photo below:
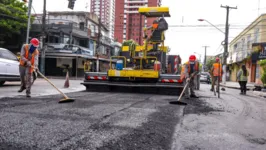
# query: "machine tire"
[[2, 83]]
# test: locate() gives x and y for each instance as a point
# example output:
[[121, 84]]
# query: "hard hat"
[[192, 58], [217, 59], [35, 42]]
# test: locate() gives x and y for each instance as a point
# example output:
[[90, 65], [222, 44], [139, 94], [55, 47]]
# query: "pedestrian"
[[242, 78], [28, 63], [216, 72], [191, 70]]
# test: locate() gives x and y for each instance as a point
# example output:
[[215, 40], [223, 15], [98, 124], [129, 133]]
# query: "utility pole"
[[98, 44], [29, 17], [225, 54], [42, 69], [205, 57]]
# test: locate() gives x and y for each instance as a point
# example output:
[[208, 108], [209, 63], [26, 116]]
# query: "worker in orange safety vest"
[[28, 63], [217, 72], [191, 69]]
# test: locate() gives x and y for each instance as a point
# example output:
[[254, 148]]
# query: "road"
[[133, 121]]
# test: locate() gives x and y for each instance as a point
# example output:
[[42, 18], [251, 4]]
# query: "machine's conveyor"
[[166, 84]]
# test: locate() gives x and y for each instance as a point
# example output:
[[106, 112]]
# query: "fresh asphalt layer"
[[100, 120]]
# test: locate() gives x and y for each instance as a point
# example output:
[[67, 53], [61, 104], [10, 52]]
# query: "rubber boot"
[[21, 89]]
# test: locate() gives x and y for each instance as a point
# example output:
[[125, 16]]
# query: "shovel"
[[178, 102], [66, 98]]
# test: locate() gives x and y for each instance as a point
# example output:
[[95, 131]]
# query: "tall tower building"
[[128, 22], [105, 9]]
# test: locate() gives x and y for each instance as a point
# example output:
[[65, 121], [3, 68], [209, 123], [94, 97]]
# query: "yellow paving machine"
[[141, 68]]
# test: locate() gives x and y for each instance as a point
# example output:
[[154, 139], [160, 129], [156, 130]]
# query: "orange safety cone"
[[67, 81]]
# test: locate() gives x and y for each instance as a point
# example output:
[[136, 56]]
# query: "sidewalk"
[[235, 85], [41, 88], [250, 86]]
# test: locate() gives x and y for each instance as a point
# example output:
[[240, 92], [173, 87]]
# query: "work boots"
[[28, 93], [194, 96], [21, 89]]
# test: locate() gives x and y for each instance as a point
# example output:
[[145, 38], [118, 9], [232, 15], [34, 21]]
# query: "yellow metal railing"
[[141, 58], [118, 57]]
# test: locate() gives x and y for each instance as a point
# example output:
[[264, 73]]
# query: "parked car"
[[205, 77], [9, 66]]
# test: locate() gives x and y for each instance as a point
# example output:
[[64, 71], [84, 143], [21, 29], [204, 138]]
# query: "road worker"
[[216, 72], [197, 77], [191, 70], [28, 63]]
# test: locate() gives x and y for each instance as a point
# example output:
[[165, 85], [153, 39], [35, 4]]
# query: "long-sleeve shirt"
[[241, 77], [22, 56]]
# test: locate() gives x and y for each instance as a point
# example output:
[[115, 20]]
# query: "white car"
[[9, 66]]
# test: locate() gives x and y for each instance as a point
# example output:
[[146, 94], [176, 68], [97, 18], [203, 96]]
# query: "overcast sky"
[[187, 40]]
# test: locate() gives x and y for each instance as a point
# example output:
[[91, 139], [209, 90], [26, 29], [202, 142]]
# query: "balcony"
[[137, 1], [65, 26]]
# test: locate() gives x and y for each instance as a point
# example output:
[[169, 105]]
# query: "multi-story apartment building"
[[105, 10], [71, 40], [241, 48], [128, 22]]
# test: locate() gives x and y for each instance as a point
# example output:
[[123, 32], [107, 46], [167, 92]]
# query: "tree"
[[262, 63], [13, 18], [210, 63]]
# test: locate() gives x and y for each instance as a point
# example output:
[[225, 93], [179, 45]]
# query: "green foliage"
[[131, 43], [209, 64], [262, 63], [13, 17]]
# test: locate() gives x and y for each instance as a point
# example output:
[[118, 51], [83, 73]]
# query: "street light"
[[225, 47], [212, 25]]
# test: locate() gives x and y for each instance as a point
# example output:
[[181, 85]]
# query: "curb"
[[259, 93], [238, 88]]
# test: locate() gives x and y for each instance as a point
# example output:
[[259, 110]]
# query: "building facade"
[[105, 10], [241, 50], [128, 22], [71, 38]]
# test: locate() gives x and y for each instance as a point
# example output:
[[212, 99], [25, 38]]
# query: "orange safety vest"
[[183, 75], [217, 69], [196, 67], [23, 63]]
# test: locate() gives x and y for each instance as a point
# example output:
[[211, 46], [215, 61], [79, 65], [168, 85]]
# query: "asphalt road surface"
[[134, 121]]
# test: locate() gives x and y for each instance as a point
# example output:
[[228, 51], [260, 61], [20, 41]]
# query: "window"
[[257, 71], [7, 55], [249, 42], [256, 36]]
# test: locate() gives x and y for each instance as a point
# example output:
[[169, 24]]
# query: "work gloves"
[[28, 64]]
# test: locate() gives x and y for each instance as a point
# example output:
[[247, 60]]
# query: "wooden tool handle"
[[183, 91], [66, 97]]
